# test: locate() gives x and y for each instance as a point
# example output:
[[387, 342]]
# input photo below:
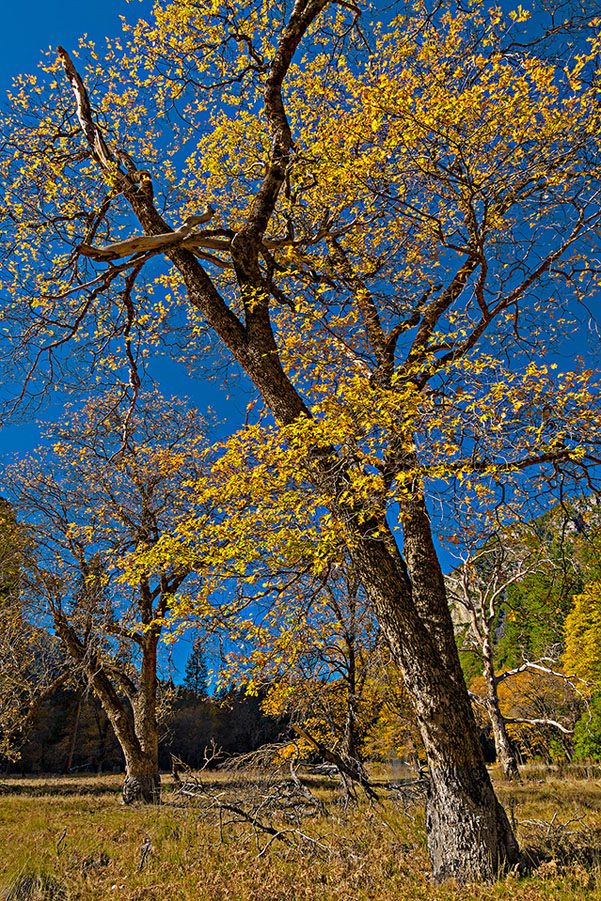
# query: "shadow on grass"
[[53, 786]]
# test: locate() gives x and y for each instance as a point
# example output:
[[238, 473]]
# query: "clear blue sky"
[[28, 29]]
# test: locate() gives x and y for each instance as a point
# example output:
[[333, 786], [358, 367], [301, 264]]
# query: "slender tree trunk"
[[102, 729], [348, 745], [73, 738], [505, 753], [349, 739]]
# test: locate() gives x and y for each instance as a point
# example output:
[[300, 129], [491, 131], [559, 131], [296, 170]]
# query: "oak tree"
[[108, 484], [310, 645], [384, 225]]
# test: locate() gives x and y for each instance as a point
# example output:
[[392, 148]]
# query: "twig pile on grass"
[[270, 802], [267, 798]]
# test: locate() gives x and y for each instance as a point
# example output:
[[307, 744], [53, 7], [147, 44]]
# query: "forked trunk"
[[469, 835], [142, 780], [134, 723]]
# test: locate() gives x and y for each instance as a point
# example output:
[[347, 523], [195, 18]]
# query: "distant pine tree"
[[196, 673]]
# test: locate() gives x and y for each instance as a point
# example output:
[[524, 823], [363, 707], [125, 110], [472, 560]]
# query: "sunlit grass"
[[91, 846]]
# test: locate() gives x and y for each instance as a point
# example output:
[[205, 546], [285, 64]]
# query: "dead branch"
[[185, 236], [350, 769], [305, 791], [553, 829], [538, 721], [257, 814], [572, 680]]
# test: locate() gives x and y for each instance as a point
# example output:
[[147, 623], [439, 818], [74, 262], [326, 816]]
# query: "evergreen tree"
[[196, 673]]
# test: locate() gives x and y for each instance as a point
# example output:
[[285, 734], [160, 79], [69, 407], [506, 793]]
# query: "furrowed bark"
[[469, 835]]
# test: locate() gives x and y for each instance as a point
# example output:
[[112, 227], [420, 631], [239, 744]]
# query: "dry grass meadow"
[[69, 838]]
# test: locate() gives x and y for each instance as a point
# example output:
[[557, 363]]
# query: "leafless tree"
[[478, 589]]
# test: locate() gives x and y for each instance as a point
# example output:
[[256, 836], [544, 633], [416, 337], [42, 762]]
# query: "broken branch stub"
[[184, 236]]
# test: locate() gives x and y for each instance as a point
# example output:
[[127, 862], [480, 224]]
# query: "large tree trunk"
[[505, 753], [469, 835], [142, 780], [134, 724]]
